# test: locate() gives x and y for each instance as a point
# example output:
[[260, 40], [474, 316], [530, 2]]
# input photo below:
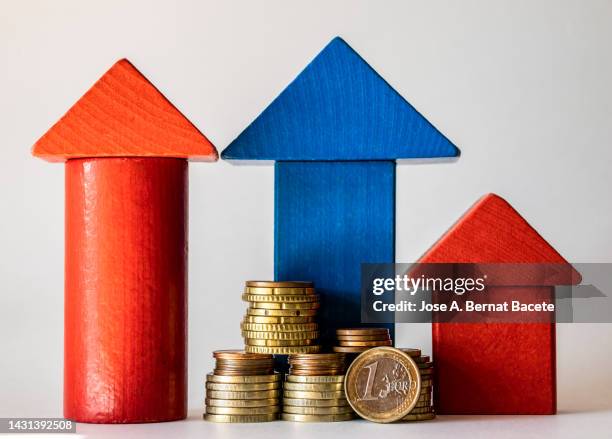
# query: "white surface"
[[522, 87]]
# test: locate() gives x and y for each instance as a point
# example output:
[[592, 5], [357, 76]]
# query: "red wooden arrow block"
[[125, 339], [506, 368]]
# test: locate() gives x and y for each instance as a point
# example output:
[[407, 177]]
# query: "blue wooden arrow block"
[[330, 217], [335, 133]]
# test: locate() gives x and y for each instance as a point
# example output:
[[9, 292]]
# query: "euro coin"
[[242, 402], [281, 335], [414, 353], [281, 312], [280, 305], [362, 331], [419, 417], [299, 410], [243, 379], [320, 387], [383, 384], [279, 319], [274, 291], [283, 350], [317, 418], [363, 337], [261, 394], [235, 354], [365, 343], [334, 394], [241, 418], [272, 327], [301, 402], [350, 349], [273, 343], [275, 298], [421, 410], [244, 387], [316, 379], [278, 284], [214, 410]]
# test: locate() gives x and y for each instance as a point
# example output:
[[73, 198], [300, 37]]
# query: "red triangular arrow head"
[[491, 231], [123, 115]]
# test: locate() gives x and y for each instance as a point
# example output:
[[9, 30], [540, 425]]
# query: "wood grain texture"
[[330, 217], [126, 290], [495, 368], [339, 108], [123, 115]]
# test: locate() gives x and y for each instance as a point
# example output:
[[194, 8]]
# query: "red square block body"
[[495, 368]]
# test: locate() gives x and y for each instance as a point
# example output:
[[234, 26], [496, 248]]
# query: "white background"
[[522, 87]]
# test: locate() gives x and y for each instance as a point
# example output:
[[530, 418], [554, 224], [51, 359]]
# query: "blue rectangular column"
[[330, 217]]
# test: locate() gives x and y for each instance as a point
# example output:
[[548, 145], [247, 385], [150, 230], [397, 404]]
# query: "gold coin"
[[301, 410], [361, 331], [350, 349], [317, 372], [278, 320], [261, 394], [235, 354], [422, 359], [427, 365], [272, 327], [214, 410], [422, 404], [363, 337], [286, 298], [302, 358], [279, 284], [272, 291], [281, 335], [365, 343], [211, 378], [413, 352], [226, 372], [242, 402], [244, 387], [369, 389], [310, 387], [283, 350], [317, 418], [280, 305], [334, 394], [315, 379], [241, 418], [273, 343], [421, 410], [301, 402], [281, 312], [419, 417]]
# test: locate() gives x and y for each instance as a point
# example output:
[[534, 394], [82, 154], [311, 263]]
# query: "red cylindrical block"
[[126, 290]]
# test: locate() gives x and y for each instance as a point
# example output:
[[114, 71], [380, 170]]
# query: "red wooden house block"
[[495, 368], [125, 340]]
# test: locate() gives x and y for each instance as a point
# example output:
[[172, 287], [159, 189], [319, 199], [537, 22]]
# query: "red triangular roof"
[[492, 231], [123, 115]]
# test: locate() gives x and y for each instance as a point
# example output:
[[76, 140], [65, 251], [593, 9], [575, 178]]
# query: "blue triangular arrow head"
[[339, 108]]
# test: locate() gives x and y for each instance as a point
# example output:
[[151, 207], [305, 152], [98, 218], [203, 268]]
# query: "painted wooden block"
[[320, 205], [335, 133], [125, 340], [501, 368]]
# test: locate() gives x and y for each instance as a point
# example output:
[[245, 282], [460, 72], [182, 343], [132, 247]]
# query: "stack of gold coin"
[[314, 389], [242, 388], [358, 340], [281, 318], [424, 408]]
